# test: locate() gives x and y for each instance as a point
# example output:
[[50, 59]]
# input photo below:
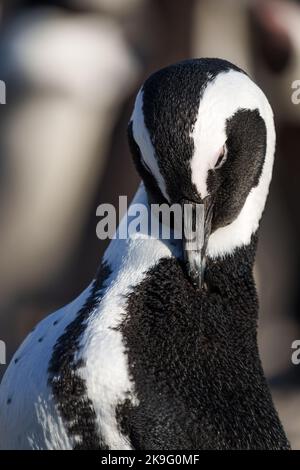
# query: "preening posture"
[[160, 351]]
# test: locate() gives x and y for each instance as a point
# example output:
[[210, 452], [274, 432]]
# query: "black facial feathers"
[[231, 184], [171, 100]]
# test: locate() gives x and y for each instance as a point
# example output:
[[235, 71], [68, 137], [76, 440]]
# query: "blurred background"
[[72, 68]]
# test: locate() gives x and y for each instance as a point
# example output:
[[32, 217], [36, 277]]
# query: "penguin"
[[160, 351]]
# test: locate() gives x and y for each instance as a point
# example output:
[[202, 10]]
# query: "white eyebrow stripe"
[[142, 137], [229, 92]]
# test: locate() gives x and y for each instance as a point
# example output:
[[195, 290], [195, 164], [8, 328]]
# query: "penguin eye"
[[221, 158]]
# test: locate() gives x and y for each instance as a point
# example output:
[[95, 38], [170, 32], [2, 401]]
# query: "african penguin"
[[160, 351]]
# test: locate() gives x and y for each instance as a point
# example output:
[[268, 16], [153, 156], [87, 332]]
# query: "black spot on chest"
[[194, 361], [68, 388]]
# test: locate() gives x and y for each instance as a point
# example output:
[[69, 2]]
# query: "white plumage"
[[28, 417]]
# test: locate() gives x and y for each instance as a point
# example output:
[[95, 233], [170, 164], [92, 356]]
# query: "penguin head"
[[202, 132]]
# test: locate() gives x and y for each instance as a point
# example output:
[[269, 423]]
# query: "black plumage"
[[180, 359], [194, 358], [193, 352]]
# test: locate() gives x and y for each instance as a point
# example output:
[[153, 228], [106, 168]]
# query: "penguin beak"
[[197, 219]]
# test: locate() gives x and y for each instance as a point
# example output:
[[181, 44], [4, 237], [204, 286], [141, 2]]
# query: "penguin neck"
[[239, 261], [139, 250], [233, 271], [135, 248]]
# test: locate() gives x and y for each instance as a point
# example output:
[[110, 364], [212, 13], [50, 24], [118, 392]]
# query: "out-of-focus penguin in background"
[[67, 68]]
